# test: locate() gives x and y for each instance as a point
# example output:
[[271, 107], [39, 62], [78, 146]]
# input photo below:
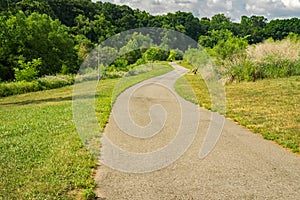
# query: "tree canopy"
[[61, 33]]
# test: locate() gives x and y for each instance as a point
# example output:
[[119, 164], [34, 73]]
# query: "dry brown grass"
[[285, 49]]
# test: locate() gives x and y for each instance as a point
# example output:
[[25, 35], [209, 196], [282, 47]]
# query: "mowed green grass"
[[269, 107], [41, 154]]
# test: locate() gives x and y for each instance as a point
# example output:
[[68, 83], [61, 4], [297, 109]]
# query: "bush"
[[45, 83], [214, 37], [27, 71], [155, 54], [225, 49], [120, 64], [51, 82], [13, 88], [175, 54], [140, 62]]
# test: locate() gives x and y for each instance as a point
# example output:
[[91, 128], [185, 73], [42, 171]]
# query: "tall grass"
[[270, 59], [284, 49]]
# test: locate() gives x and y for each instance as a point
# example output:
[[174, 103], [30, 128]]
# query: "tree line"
[[46, 37]]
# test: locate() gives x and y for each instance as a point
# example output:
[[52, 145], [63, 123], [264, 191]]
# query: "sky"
[[271, 9]]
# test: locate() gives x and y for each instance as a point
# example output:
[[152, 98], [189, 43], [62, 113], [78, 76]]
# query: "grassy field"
[[41, 155], [269, 107]]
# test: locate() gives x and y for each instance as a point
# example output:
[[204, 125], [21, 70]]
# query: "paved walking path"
[[160, 127]]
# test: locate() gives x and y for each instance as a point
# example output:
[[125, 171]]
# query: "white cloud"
[[207, 8], [292, 4], [274, 8], [219, 4]]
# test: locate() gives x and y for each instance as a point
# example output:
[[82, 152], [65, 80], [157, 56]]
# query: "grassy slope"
[[269, 107], [41, 155]]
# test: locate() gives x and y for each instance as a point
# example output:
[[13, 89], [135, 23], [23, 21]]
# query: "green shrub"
[[120, 64], [155, 54], [27, 71], [214, 37], [172, 56], [51, 82], [115, 74], [44, 83], [175, 54], [225, 49], [13, 88], [140, 62]]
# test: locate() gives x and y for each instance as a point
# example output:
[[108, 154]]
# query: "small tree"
[[175, 54], [172, 56], [27, 71], [227, 48], [120, 64]]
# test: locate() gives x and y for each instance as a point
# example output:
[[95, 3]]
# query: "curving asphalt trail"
[[242, 165]]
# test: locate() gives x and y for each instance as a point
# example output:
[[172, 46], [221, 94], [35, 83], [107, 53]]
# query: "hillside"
[[61, 33]]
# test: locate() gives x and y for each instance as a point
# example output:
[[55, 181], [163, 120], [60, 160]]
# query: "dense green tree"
[[40, 6], [83, 47], [226, 48], [82, 25], [136, 46], [180, 21], [67, 11], [205, 26], [156, 21], [127, 19], [8, 5], [33, 37], [155, 53], [278, 29], [143, 18], [213, 37], [253, 28], [220, 22], [102, 28], [49, 40]]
